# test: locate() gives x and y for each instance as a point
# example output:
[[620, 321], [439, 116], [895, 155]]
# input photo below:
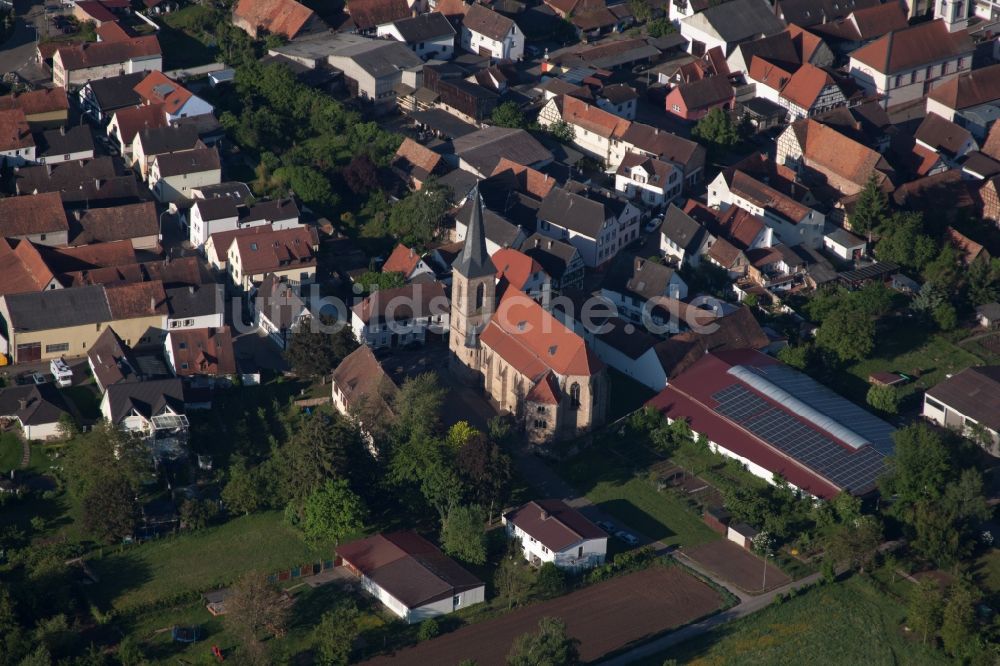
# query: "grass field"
[[183, 42], [201, 560], [846, 623], [10, 452], [608, 477]]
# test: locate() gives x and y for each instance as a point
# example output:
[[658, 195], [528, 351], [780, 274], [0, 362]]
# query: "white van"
[[61, 371]]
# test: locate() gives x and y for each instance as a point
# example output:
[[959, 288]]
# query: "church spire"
[[474, 261]]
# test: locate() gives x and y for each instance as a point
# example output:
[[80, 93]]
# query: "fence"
[[302, 571]]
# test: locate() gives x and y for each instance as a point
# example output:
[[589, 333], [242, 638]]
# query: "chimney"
[[152, 302], [191, 289], [62, 130], [22, 404], [78, 214], [545, 514], [550, 244]]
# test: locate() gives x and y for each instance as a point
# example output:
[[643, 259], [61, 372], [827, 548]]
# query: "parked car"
[[627, 537], [38, 378], [653, 225], [606, 526]]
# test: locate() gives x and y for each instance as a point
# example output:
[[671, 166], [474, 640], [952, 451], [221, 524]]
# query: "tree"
[[428, 629], [414, 221], [361, 174], [508, 114], [983, 278], [562, 131], [798, 356], [463, 534], [904, 242], [130, 653], [195, 514], [944, 271], [243, 492], [335, 634], [317, 347], [945, 316], [551, 581], [325, 446], [958, 621], [848, 333], [419, 403], [487, 472], [333, 512], [254, 607], [512, 578], [659, 27], [379, 280], [717, 129], [883, 398], [856, 542], [309, 184], [641, 10], [924, 611], [870, 209], [549, 646], [460, 434], [110, 507]]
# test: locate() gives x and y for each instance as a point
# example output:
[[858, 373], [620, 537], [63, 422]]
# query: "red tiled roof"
[[156, 88], [970, 249], [97, 54], [32, 214], [43, 100], [991, 146], [402, 260], [133, 119], [418, 156], [767, 197], [740, 227], [805, 86], [771, 75], [112, 31], [280, 250], [367, 14], [142, 299], [825, 147], [806, 43], [278, 17], [23, 268], [533, 341], [487, 22], [545, 391], [515, 266], [203, 351], [554, 524], [14, 131], [95, 10], [533, 182], [592, 118], [980, 86], [914, 47]]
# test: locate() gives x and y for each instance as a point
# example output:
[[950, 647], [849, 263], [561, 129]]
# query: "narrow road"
[[546, 481]]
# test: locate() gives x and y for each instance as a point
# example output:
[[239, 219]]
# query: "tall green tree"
[[717, 129], [508, 114], [487, 471], [317, 347], [904, 242], [870, 209], [958, 621], [548, 646], [463, 534], [924, 610], [883, 398], [333, 512], [110, 508], [256, 609], [335, 634], [415, 220], [244, 490], [513, 578], [848, 333], [324, 446]]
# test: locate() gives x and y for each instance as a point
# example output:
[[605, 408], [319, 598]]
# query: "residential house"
[[481, 151], [793, 222], [686, 155], [76, 64], [693, 101], [39, 218], [429, 35], [410, 576], [844, 245], [905, 65], [65, 145], [968, 401], [807, 92], [17, 145], [97, 182], [778, 49], [218, 214], [100, 98], [969, 251], [402, 316], [153, 409], [488, 33], [817, 150], [811, 13], [988, 315], [945, 138], [652, 181], [125, 123], [364, 16], [552, 531], [728, 24], [363, 391], [561, 261], [37, 408], [375, 68], [784, 423], [408, 263], [641, 292], [682, 238], [24, 269], [287, 18], [152, 141], [416, 163], [596, 222], [449, 87], [201, 354], [971, 99], [595, 131], [619, 99], [176, 100], [989, 194], [524, 273], [862, 26], [288, 253], [42, 108], [279, 310], [196, 306], [137, 223], [173, 175]]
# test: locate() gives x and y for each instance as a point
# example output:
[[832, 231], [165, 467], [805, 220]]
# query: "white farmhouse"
[[551, 531], [488, 33]]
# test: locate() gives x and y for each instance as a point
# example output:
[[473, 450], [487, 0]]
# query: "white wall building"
[[551, 531]]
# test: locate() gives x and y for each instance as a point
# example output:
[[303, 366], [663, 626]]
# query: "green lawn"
[[613, 477], [86, 399], [183, 41], [198, 561], [845, 623], [10, 452]]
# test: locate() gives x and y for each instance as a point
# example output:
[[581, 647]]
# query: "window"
[[41, 237], [574, 395], [184, 366], [541, 409], [675, 108], [961, 62], [899, 81], [540, 424], [58, 347], [456, 601], [933, 403], [480, 295]]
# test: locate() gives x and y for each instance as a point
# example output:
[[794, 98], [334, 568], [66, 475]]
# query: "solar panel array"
[[852, 470], [873, 429]]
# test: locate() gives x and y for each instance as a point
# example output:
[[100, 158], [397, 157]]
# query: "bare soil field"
[[604, 618], [734, 564]]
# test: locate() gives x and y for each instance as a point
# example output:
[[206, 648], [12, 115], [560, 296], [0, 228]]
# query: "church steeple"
[[474, 261]]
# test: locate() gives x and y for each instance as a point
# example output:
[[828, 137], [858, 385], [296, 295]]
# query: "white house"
[[597, 132], [652, 181], [682, 239], [153, 409], [191, 307], [971, 100], [727, 26], [407, 261], [279, 310], [36, 408], [485, 32], [177, 101], [173, 175], [596, 223], [211, 216], [429, 35], [17, 146], [844, 245], [410, 576], [968, 399], [551, 531], [793, 222], [403, 316]]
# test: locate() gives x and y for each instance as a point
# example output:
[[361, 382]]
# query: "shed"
[[988, 315], [742, 534], [887, 378], [215, 601], [717, 518]]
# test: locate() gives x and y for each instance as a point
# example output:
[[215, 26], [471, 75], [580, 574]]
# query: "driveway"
[[18, 53]]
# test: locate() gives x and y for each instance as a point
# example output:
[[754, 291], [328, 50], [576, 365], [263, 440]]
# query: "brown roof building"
[[278, 17], [366, 15], [39, 217], [134, 222], [42, 107], [143, 299], [967, 399], [201, 352], [363, 390], [16, 143], [551, 530]]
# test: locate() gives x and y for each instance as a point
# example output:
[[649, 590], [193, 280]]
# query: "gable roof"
[[279, 17], [766, 196], [973, 392], [32, 214], [770, 74], [571, 210], [737, 330], [408, 567], [148, 398], [942, 135], [591, 118], [530, 180], [43, 404], [276, 250], [809, 13], [167, 139], [483, 148], [417, 299], [980, 86], [487, 22], [58, 308], [424, 28], [188, 161], [103, 225], [111, 359], [131, 119], [203, 351], [737, 20], [554, 524], [663, 144], [553, 255], [866, 23], [402, 260], [141, 299], [116, 92], [100, 54], [367, 14], [419, 159], [825, 147], [43, 100], [682, 229], [529, 338], [157, 88], [705, 92], [806, 84], [360, 377], [23, 268], [910, 48], [657, 171], [14, 131], [514, 266]]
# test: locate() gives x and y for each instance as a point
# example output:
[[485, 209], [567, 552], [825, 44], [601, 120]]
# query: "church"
[[525, 359]]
